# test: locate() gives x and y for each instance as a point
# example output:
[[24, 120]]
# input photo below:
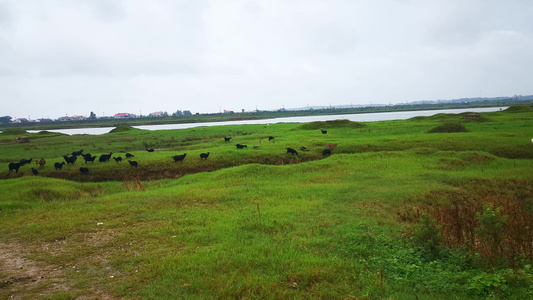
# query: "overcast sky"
[[62, 58]]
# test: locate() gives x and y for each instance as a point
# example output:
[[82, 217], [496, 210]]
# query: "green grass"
[[261, 223]]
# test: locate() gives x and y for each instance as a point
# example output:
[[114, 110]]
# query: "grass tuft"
[[13, 131], [123, 128], [449, 128], [331, 124]]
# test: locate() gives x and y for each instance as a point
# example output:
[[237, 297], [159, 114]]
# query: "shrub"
[[428, 237], [491, 231], [491, 218]]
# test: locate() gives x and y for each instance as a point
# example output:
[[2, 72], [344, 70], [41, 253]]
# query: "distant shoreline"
[[260, 115]]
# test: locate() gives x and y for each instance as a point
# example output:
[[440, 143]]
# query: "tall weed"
[[491, 218]]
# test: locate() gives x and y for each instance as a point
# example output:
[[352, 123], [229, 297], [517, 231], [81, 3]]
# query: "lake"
[[368, 117]]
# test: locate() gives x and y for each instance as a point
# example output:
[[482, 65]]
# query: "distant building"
[[157, 114], [78, 118], [124, 115], [65, 118], [21, 120], [43, 120]]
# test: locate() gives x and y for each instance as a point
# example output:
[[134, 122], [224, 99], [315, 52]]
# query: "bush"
[[428, 237], [490, 218], [491, 231]]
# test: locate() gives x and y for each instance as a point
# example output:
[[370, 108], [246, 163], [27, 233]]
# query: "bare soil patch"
[[22, 278]]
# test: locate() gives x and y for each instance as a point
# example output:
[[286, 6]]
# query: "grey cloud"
[[135, 55], [107, 11], [5, 15]]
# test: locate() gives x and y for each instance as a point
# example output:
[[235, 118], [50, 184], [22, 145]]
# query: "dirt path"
[[23, 278]]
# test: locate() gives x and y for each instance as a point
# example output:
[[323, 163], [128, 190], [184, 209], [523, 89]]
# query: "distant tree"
[[92, 116], [178, 113], [5, 119], [165, 114], [187, 112]]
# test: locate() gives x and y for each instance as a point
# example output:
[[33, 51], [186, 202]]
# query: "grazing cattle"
[[133, 163], [150, 150], [226, 139], [291, 151], [41, 162], [76, 153], [59, 166], [86, 155], [117, 159], [326, 152], [204, 155], [270, 138], [331, 146], [239, 146], [105, 157], [34, 171], [303, 148], [179, 157], [70, 159], [84, 171], [324, 131], [14, 166], [25, 161], [89, 158], [129, 155]]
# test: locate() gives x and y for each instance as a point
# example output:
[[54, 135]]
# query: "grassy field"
[[395, 212]]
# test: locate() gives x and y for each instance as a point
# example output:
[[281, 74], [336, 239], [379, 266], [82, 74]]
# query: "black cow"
[[179, 157], [291, 151], [89, 158], [76, 153], [70, 159], [25, 161], [14, 166], [105, 157], [84, 171]]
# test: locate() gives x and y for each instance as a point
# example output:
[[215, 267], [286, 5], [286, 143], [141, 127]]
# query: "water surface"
[[367, 117]]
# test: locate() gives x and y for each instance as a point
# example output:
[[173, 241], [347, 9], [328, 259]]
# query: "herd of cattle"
[[71, 159]]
